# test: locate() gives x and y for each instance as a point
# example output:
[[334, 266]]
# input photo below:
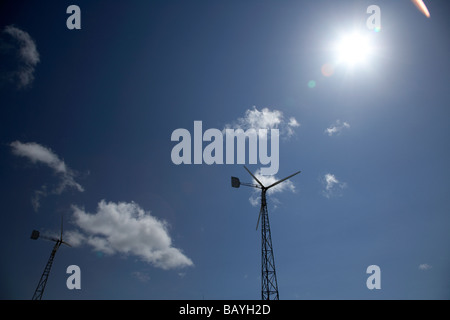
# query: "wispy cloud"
[[141, 276], [19, 50], [332, 186], [37, 153], [265, 119], [125, 228], [337, 127], [424, 267]]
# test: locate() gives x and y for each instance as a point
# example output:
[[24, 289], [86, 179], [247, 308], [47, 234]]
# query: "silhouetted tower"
[[269, 285], [43, 281]]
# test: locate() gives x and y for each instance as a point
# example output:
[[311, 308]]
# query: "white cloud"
[[127, 229], [424, 267], [268, 180], [255, 199], [333, 187], [293, 122], [24, 49], [37, 153], [74, 238], [291, 125], [265, 119], [337, 127], [330, 180]]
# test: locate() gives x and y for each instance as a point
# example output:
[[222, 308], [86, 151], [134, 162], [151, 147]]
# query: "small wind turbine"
[[43, 281], [269, 286]]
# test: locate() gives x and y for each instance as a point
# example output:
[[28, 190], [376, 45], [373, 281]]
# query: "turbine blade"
[[66, 243], [280, 181], [259, 217], [254, 177], [61, 227], [49, 238]]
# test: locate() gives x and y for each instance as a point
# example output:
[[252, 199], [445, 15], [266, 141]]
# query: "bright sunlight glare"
[[353, 49]]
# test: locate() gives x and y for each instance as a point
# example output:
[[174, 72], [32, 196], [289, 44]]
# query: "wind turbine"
[[43, 281], [269, 285]]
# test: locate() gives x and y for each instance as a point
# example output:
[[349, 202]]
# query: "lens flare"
[[311, 84], [327, 70], [422, 7]]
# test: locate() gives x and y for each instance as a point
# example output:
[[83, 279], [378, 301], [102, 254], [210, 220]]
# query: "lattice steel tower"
[[43, 281], [269, 285]]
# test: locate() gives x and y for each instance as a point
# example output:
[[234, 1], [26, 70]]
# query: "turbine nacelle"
[[235, 183]]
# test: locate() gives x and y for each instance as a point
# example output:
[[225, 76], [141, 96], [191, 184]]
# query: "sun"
[[353, 49]]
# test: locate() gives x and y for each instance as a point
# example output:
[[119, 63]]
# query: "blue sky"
[[86, 120]]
